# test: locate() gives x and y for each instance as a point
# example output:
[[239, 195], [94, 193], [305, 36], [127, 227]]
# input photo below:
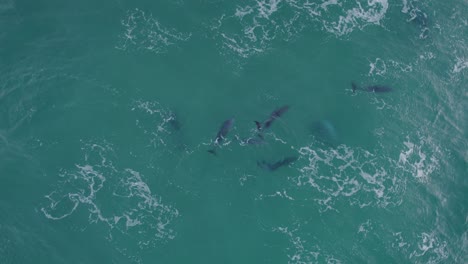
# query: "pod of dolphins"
[[324, 129]]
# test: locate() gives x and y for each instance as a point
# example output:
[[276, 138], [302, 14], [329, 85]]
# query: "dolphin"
[[273, 116], [372, 88], [276, 165], [174, 122], [325, 131], [223, 131]]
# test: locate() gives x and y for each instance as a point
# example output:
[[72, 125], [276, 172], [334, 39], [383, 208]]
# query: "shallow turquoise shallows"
[[128, 133]]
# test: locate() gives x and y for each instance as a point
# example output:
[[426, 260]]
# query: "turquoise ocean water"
[[108, 108]]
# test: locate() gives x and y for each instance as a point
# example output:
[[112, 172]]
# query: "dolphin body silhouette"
[[223, 131], [325, 131], [174, 122], [372, 88], [276, 165], [273, 116]]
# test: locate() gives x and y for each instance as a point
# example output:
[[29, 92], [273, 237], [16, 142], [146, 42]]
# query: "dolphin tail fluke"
[[212, 151], [259, 125], [355, 87]]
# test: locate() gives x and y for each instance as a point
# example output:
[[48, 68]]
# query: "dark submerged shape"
[[378, 89], [273, 116], [419, 18], [372, 88], [276, 165], [174, 122], [325, 131], [223, 131]]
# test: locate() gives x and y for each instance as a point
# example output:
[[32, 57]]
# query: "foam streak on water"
[[301, 251], [261, 22], [141, 31], [355, 175], [135, 208]]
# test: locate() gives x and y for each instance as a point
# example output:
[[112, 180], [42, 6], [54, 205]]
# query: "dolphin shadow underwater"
[[272, 166], [371, 88], [325, 131], [176, 128]]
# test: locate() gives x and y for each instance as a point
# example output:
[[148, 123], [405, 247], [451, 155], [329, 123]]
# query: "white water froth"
[[244, 178], [382, 67], [430, 249], [117, 198], [358, 17], [365, 227], [377, 67], [423, 247], [154, 120], [460, 65], [142, 31], [418, 161], [250, 29], [399, 242], [349, 174], [302, 251], [281, 194], [405, 8]]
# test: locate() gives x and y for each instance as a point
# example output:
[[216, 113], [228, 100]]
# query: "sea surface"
[[108, 109]]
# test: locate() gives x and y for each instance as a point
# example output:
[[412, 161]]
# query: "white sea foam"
[[141, 31], [299, 252], [325, 4], [399, 242], [383, 67], [460, 65], [281, 194], [303, 251], [250, 29], [351, 174], [358, 17], [421, 159], [365, 227], [153, 119], [267, 7], [377, 67], [120, 199], [430, 249], [405, 8], [427, 56]]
